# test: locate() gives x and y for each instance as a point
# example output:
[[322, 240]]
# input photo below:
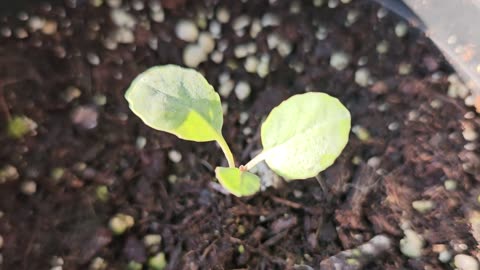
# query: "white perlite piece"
[[401, 29], [217, 57], [124, 36], [423, 206], [226, 88], [157, 15], [241, 22], [251, 47], [193, 55], [295, 7], [71, 93], [36, 23], [93, 59], [456, 87], [445, 256], [242, 90], [255, 28], [8, 173], [21, 33], [469, 134], [333, 3], [224, 108], [140, 142], [155, 5], [352, 17], [114, 3], [223, 77], [98, 264], [339, 60], [382, 47], [206, 41], [362, 77], [358, 257], [138, 5], [374, 162], [412, 244], [251, 64], [186, 30], [85, 116], [122, 18], [273, 40], [284, 48], [247, 131], [240, 51], [382, 12], [174, 156], [465, 262], [215, 28], [264, 66], [243, 118], [321, 33], [404, 68], [28, 187], [152, 240], [318, 3], [223, 15], [270, 19]]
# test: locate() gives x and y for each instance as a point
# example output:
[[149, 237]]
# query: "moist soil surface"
[[87, 139]]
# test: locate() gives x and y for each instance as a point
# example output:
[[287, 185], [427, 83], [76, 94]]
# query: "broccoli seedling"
[[301, 137]]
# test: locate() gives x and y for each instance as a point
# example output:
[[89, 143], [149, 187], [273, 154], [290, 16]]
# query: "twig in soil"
[[357, 258], [208, 249], [288, 203], [350, 214], [3, 103], [219, 188], [322, 184], [277, 237], [363, 182], [294, 205], [207, 165], [248, 210], [266, 255]]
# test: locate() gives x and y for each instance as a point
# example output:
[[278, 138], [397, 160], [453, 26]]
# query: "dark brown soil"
[[302, 222]]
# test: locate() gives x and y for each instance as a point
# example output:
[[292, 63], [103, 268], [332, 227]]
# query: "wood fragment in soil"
[[356, 259]]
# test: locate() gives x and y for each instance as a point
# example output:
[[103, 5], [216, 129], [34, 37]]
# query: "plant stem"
[[259, 158], [226, 150]]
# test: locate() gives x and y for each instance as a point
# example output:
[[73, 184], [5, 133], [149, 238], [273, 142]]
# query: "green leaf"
[[179, 101], [239, 183], [304, 135]]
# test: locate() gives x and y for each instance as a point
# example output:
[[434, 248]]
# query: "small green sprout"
[[301, 137]]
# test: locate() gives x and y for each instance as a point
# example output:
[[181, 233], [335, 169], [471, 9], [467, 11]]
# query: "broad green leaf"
[[177, 100], [304, 135], [239, 183]]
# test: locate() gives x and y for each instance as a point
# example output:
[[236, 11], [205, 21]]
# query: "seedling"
[[301, 137]]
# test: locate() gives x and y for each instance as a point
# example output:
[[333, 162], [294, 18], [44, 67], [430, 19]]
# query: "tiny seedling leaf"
[[239, 183], [179, 101], [304, 135]]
